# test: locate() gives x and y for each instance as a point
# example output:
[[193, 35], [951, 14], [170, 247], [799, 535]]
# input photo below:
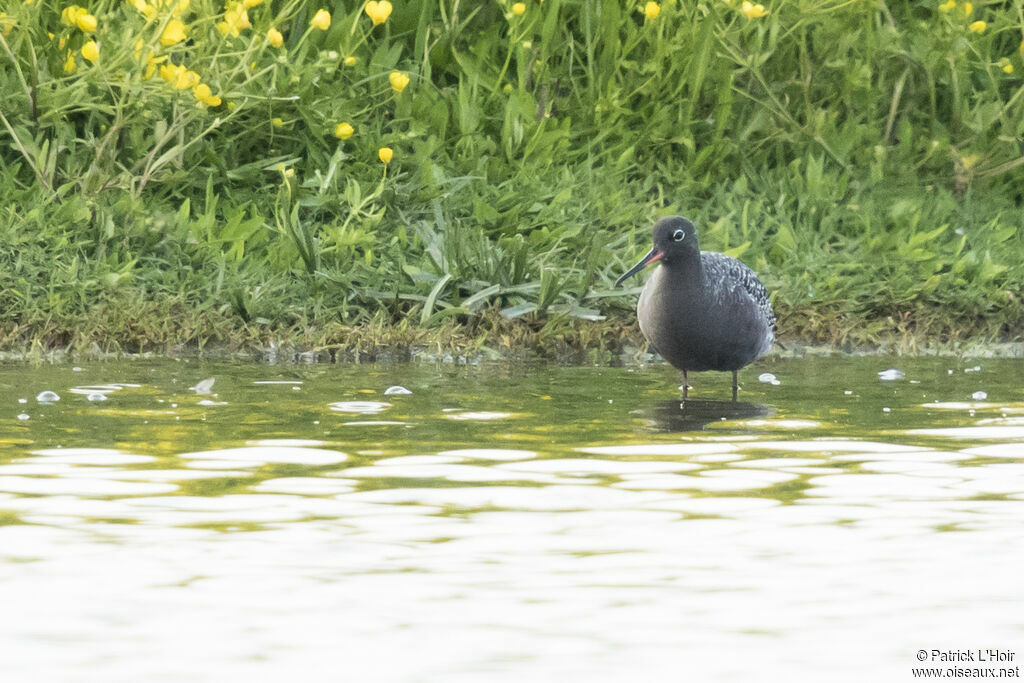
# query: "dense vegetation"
[[345, 173]]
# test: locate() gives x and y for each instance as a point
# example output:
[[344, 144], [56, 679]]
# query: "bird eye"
[[678, 235]]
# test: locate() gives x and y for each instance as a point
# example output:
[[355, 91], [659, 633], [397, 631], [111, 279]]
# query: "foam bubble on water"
[[47, 397], [396, 390], [979, 395], [891, 375], [886, 410], [96, 396], [768, 378], [976, 368], [23, 416]]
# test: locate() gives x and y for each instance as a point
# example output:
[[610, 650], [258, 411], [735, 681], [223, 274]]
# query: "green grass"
[[865, 158]]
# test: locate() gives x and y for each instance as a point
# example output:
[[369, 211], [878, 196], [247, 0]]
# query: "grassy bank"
[[185, 174]]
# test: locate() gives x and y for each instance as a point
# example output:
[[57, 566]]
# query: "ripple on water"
[[986, 432], [88, 456], [479, 415], [80, 486], [359, 407], [488, 454], [997, 450], [662, 449], [306, 486], [597, 466], [713, 480], [262, 455], [558, 497], [457, 472]]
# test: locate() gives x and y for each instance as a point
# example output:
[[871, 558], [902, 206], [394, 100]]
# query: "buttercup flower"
[[86, 22], [519, 8], [385, 154], [180, 77], [351, 61], [275, 37], [344, 130], [752, 11], [378, 11], [69, 64], [947, 6], [7, 24], [144, 8], [203, 94], [91, 51], [968, 9], [1006, 66], [236, 19], [69, 15], [652, 10], [978, 26], [252, 3], [173, 33], [321, 20], [398, 80]]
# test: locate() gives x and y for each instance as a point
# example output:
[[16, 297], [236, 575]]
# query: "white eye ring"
[[678, 235]]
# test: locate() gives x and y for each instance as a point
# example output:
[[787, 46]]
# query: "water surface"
[[507, 522]]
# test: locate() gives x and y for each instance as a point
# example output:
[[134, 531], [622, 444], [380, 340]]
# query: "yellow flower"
[[252, 3], [7, 24], [398, 80], [69, 16], [947, 6], [385, 154], [344, 130], [321, 20], [277, 122], [275, 37], [179, 76], [1005, 65], [204, 95], [968, 9], [151, 64], [144, 8], [752, 11], [351, 61], [86, 22], [91, 51], [978, 26], [236, 19], [378, 11], [173, 33], [652, 10], [69, 63], [519, 8]]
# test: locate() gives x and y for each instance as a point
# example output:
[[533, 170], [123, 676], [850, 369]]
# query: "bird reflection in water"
[[696, 415]]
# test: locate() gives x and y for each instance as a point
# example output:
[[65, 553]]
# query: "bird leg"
[[735, 386], [686, 386]]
